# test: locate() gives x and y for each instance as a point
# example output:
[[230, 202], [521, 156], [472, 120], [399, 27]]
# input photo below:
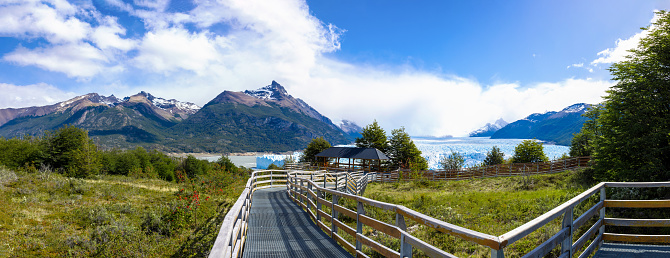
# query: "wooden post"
[[359, 226], [497, 253], [333, 213], [318, 206], [566, 245], [603, 197], [405, 248]]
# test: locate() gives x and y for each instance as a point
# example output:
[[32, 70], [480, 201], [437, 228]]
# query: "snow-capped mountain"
[[553, 126], [489, 129], [178, 109]]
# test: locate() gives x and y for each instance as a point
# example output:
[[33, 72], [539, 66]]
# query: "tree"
[[314, 147], [453, 161], [70, 151], [373, 136], [494, 157], [403, 152], [529, 151], [632, 141]]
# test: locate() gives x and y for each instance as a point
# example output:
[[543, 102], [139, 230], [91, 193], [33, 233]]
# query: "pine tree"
[[373, 136]]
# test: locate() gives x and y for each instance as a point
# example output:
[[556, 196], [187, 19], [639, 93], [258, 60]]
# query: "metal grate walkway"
[[610, 250], [280, 228]]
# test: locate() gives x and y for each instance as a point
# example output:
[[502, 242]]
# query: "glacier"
[[263, 162], [474, 149]]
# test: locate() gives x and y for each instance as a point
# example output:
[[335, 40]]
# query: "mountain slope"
[[555, 127], [351, 130], [267, 119], [111, 122]]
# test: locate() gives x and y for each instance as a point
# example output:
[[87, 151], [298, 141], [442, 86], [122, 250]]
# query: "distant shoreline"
[[206, 154]]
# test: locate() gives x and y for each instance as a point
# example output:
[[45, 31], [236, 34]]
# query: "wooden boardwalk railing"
[[230, 240], [312, 197], [321, 194], [502, 170]]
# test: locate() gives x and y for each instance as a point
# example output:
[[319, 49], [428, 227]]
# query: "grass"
[[48, 215], [493, 206]]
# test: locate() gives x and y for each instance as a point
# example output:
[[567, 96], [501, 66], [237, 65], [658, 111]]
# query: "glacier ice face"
[[474, 149], [263, 162]]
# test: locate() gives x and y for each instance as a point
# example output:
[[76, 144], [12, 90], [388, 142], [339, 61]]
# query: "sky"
[[434, 67]]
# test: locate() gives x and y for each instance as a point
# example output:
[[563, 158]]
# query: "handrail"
[[302, 191], [310, 195], [230, 240], [308, 189]]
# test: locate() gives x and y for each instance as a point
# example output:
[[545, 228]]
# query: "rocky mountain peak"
[[274, 91]]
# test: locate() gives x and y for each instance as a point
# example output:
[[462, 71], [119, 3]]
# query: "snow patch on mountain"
[[579, 107], [489, 128]]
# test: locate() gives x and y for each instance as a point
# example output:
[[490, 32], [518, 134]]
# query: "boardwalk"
[[609, 250], [278, 227]]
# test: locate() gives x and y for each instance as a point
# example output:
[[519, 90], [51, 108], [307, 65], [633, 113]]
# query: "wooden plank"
[[324, 202], [637, 222], [636, 238], [347, 229], [586, 236], [588, 215], [637, 203], [425, 247], [592, 247], [637, 184], [525, 229], [546, 247], [464, 233], [385, 251], [324, 215], [360, 254], [347, 212], [344, 243], [324, 227], [381, 226]]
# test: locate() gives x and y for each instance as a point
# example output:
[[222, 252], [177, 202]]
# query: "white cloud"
[[34, 19], [31, 95], [619, 53], [74, 60], [170, 49], [281, 40]]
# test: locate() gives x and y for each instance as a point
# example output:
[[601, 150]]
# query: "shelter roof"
[[352, 153]]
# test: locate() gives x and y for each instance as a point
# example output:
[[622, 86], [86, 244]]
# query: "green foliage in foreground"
[[399, 147], [493, 206], [47, 214]]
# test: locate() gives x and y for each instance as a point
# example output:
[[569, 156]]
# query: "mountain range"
[[267, 119], [555, 127]]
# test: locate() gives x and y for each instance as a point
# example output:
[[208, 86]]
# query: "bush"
[[454, 161], [529, 151], [494, 157]]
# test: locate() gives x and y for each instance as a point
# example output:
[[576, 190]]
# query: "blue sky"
[[434, 67]]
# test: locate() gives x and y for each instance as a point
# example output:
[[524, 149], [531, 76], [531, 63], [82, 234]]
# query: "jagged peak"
[[274, 91]]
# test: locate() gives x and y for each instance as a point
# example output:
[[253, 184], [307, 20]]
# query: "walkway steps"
[[280, 228], [611, 250]]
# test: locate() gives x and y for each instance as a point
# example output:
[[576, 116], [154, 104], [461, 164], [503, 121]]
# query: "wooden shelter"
[[366, 159]]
